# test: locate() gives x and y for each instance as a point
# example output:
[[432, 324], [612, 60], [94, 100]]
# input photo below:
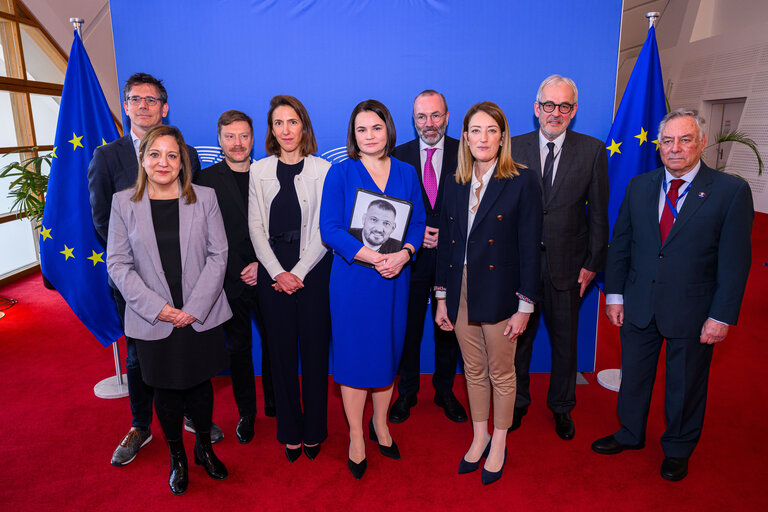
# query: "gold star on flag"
[[643, 136], [103, 142], [45, 233], [614, 147], [96, 257], [656, 141], [75, 141], [53, 153], [67, 252]]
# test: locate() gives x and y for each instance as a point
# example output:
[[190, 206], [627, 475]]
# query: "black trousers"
[[171, 404], [685, 393], [299, 325], [560, 310], [446, 346]]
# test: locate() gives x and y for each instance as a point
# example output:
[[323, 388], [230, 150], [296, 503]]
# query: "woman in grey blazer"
[[283, 216], [167, 254]]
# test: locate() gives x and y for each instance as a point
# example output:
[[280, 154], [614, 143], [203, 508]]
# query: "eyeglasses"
[[151, 101], [435, 117], [549, 107]]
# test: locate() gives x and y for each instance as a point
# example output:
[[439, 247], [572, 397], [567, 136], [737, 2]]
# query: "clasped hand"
[[287, 283], [387, 265], [175, 316]]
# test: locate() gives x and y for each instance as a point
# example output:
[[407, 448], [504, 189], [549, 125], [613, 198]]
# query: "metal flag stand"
[[115, 386], [611, 378]]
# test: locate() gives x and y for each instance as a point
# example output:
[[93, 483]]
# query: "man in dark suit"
[[433, 154], [677, 268], [230, 178], [573, 173], [115, 167]]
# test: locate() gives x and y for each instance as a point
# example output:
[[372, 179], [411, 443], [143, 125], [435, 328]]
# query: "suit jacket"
[[235, 214], [575, 231], [388, 247], [309, 190], [504, 250], [701, 269], [133, 263], [423, 264], [114, 167]]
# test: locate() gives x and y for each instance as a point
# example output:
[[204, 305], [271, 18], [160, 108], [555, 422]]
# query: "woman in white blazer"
[[283, 218], [167, 254]]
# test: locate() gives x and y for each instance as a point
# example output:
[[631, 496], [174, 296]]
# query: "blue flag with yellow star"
[[633, 141], [71, 255]]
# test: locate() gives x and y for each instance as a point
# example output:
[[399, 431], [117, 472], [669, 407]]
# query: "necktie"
[[549, 165], [430, 178], [667, 217]]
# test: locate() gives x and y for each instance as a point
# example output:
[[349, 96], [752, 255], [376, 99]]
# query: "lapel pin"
[[702, 195]]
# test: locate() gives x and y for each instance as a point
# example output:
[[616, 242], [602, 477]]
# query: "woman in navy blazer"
[[488, 263], [167, 254]]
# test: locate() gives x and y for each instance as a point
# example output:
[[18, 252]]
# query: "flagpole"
[[111, 387]]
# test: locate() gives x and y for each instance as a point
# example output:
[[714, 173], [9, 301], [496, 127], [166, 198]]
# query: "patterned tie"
[[430, 177], [549, 166], [667, 217]]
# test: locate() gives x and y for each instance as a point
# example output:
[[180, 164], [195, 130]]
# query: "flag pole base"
[[610, 379], [110, 388]]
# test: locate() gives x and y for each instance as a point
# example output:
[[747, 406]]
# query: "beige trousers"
[[489, 365]]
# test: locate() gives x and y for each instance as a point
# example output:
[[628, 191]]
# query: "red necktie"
[[667, 217], [430, 177]]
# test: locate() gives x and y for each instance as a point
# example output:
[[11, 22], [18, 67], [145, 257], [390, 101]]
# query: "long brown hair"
[[308, 141], [506, 167], [186, 167]]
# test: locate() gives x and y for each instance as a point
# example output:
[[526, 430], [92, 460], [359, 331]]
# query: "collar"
[[558, 141], [476, 183], [439, 145], [687, 177]]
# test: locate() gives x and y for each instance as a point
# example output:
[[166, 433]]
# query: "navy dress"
[[368, 312]]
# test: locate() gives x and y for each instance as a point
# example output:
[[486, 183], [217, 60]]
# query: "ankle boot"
[[178, 480], [204, 456]]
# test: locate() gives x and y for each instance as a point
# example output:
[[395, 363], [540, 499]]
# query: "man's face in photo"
[[378, 225]]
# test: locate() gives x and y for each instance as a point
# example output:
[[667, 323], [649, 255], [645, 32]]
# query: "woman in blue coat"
[[369, 302]]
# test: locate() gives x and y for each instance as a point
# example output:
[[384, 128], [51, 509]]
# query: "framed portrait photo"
[[379, 221]]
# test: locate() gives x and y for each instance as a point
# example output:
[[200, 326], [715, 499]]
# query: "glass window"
[[44, 63], [45, 113], [14, 109], [5, 201], [11, 63], [19, 239]]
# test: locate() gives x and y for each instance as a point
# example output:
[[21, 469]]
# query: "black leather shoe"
[[390, 451], [244, 431], [401, 409], [609, 446], [517, 419], [205, 457], [453, 409], [312, 451], [178, 479], [488, 477], [357, 468], [292, 453], [468, 467], [674, 468], [564, 425]]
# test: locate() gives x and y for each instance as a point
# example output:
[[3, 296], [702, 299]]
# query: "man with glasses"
[[434, 156], [573, 169], [677, 268], [115, 167]]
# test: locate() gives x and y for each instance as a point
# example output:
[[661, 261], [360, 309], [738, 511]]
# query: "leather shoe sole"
[[674, 468], [401, 409], [610, 446]]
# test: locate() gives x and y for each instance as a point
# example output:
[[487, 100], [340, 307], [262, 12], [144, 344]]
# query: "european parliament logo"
[[209, 155], [336, 155]]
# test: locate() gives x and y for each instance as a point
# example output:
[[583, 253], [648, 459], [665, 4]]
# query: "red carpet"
[[56, 437]]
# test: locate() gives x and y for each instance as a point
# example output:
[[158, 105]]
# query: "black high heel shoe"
[[388, 451], [312, 451], [488, 477], [357, 468], [468, 467], [292, 453], [205, 457]]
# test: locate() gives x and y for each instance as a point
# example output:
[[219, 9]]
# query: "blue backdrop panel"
[[332, 54]]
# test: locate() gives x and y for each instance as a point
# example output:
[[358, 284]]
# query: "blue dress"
[[368, 312]]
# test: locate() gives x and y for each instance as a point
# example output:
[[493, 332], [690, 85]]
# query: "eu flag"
[[71, 255], [633, 142]]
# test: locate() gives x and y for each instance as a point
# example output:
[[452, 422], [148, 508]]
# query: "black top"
[[285, 214], [165, 218], [243, 182]]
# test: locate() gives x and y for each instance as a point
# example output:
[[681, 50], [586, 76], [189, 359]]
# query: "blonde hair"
[[186, 167], [506, 167]]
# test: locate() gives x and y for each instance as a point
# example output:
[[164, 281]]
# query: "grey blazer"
[[133, 263]]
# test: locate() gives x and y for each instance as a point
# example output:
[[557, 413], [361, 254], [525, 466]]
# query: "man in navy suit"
[[677, 267], [115, 167], [573, 173], [433, 154]]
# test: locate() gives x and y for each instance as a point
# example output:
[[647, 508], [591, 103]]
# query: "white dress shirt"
[[437, 157], [544, 151]]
